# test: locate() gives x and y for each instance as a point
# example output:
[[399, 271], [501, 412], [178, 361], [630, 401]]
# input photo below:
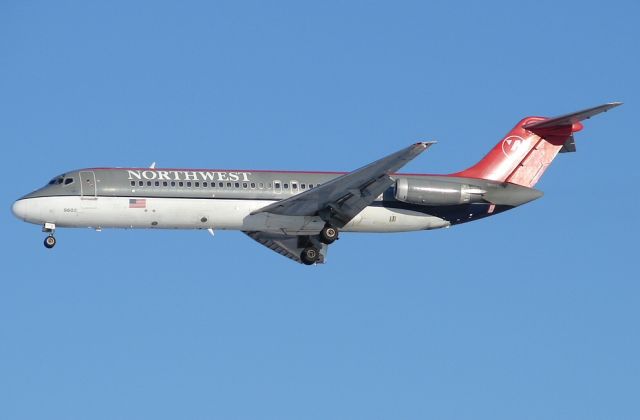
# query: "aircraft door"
[[88, 185]]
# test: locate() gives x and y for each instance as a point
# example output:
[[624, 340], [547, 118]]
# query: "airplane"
[[300, 214]]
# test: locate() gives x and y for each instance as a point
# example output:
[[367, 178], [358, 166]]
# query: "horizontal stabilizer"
[[570, 119]]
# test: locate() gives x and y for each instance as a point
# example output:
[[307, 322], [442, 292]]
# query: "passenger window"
[[285, 186], [237, 184], [261, 185], [173, 183], [133, 183], [204, 184], [244, 185], [181, 184], [294, 186], [253, 185], [303, 186], [221, 184], [140, 183], [228, 185], [164, 183], [157, 183], [148, 183], [188, 183]]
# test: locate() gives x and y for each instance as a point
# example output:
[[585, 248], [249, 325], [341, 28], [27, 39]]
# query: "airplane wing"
[[286, 245], [341, 199]]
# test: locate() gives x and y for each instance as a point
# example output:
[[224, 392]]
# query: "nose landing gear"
[[49, 241]]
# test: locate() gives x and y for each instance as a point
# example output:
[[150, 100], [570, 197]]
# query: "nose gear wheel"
[[50, 241]]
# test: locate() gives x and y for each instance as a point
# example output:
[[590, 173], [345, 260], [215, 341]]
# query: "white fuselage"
[[198, 213]]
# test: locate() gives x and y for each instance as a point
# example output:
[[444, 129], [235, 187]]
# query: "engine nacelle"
[[436, 193]]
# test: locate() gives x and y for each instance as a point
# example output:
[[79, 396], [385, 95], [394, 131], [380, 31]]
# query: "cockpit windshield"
[[56, 181], [59, 180]]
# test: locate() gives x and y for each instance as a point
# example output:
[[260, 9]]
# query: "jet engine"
[[435, 192]]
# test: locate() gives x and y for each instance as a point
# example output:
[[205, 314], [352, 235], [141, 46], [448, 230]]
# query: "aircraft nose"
[[20, 208]]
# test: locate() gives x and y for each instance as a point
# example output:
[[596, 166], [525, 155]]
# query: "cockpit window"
[[56, 181], [68, 181]]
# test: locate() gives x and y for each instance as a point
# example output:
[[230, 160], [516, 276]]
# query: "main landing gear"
[[311, 253], [49, 241], [328, 234]]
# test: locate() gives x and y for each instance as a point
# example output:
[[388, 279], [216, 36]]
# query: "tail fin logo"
[[512, 145]]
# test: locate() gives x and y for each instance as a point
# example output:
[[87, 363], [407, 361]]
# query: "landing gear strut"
[[310, 255], [328, 234], [49, 241]]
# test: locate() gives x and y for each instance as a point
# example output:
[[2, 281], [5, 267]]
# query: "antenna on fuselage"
[[153, 165]]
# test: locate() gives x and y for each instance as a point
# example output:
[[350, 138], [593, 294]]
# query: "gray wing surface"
[[341, 199], [286, 245]]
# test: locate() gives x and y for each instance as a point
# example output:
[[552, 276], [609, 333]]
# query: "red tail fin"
[[530, 147], [521, 157]]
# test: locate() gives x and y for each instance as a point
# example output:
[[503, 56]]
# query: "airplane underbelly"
[[383, 219]]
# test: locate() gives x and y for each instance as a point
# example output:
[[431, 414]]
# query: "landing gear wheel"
[[328, 235], [49, 241], [309, 256]]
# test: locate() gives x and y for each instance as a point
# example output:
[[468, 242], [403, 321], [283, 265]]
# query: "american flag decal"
[[137, 203]]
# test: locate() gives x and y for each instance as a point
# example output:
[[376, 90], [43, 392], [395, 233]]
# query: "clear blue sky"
[[531, 314]]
